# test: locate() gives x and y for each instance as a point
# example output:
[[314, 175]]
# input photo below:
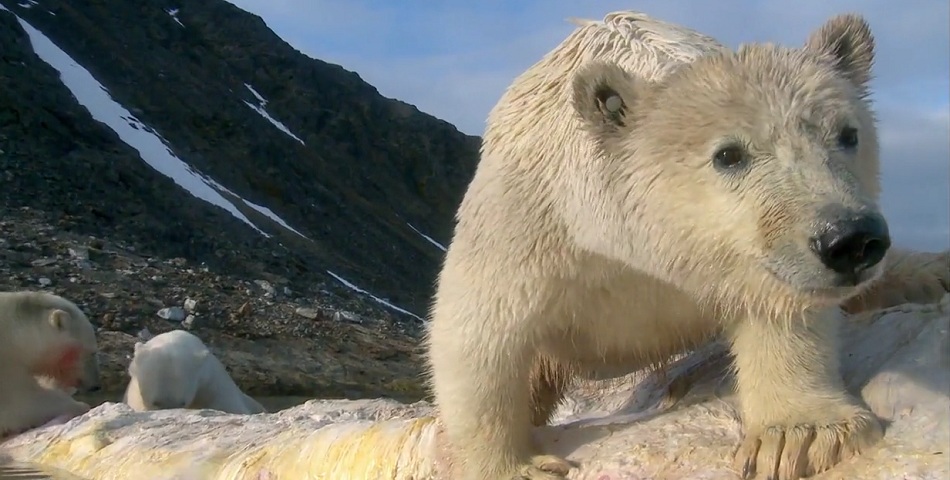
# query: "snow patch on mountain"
[[260, 110], [428, 238], [273, 216], [381, 301], [152, 148], [173, 12]]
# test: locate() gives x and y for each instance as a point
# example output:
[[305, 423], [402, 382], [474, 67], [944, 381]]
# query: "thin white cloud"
[[915, 156]]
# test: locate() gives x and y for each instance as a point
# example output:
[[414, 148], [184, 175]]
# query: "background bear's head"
[[169, 369], [752, 175], [53, 339]]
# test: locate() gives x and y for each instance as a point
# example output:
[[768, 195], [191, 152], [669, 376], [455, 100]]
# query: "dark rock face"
[[364, 169]]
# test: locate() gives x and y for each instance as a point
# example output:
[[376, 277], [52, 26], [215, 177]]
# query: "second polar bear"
[[176, 370]]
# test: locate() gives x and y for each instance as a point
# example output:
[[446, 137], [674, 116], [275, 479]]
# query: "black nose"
[[854, 244]]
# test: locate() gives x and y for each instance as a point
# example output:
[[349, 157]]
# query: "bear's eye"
[[729, 158], [848, 137]]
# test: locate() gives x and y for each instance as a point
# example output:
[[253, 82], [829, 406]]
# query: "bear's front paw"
[[790, 452], [545, 467]]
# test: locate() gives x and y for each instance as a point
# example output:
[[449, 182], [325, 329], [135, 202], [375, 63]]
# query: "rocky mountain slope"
[[230, 121], [159, 151], [274, 340]]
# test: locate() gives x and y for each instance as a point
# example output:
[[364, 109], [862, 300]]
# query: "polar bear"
[[642, 190], [47, 351], [176, 370]]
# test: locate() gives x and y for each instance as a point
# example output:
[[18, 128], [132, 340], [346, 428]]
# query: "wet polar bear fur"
[[48, 350], [641, 190], [176, 370]]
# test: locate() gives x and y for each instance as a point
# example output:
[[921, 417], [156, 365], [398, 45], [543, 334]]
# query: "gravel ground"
[[277, 344]]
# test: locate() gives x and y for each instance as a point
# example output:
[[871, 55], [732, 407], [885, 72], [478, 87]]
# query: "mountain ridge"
[[367, 185]]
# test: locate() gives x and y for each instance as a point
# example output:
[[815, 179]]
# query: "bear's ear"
[[603, 94], [847, 41], [59, 319], [138, 346]]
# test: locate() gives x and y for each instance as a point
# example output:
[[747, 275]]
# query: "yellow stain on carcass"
[[382, 450], [82, 454], [77, 450], [349, 451], [390, 449]]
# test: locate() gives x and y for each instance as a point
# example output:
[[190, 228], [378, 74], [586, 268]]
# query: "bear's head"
[[750, 175], [167, 376], [56, 341]]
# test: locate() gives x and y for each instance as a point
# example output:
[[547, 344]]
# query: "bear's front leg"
[[909, 277], [30, 405], [797, 416], [480, 376]]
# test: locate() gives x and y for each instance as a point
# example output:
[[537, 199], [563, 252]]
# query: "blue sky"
[[453, 59]]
